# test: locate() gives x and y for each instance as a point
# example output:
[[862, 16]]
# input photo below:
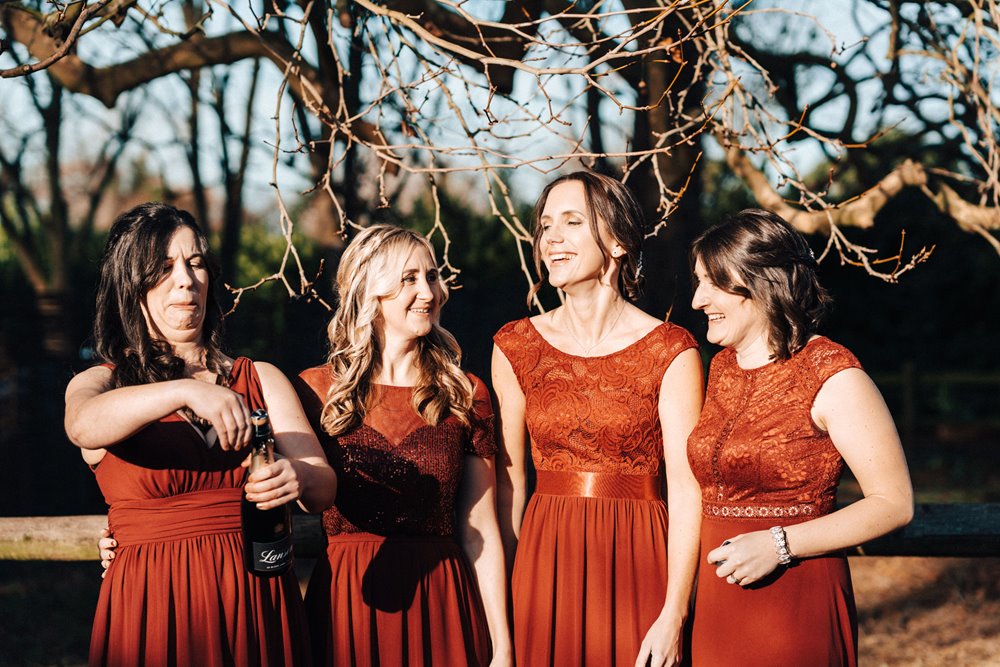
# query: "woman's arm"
[[512, 482], [680, 405], [480, 538], [303, 474], [98, 416], [850, 408]]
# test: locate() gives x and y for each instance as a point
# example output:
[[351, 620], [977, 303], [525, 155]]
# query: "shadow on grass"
[[47, 609]]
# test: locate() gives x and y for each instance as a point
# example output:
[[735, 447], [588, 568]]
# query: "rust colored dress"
[[590, 573], [762, 462], [396, 588], [177, 592]]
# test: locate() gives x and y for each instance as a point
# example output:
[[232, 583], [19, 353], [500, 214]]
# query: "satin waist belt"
[[193, 514], [598, 485]]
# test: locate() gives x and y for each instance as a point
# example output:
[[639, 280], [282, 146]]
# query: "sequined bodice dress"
[[590, 573], [761, 462], [396, 588], [177, 592]]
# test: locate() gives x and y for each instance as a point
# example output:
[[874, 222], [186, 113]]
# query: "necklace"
[[586, 350]]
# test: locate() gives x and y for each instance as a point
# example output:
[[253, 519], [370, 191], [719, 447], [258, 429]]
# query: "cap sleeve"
[[482, 433], [825, 359], [675, 340], [312, 386], [517, 343]]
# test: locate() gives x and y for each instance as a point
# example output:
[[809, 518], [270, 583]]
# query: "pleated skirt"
[[190, 602], [392, 602], [590, 576], [802, 615]]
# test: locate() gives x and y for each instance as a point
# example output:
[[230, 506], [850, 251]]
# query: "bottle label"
[[271, 556]]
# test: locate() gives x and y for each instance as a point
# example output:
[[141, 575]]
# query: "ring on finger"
[[732, 579]]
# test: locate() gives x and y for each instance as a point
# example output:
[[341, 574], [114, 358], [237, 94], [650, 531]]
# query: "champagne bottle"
[[267, 534]]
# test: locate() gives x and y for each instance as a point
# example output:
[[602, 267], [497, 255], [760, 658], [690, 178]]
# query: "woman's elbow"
[[905, 514]]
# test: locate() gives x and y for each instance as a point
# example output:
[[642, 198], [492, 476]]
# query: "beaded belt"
[[598, 485], [193, 514], [752, 511]]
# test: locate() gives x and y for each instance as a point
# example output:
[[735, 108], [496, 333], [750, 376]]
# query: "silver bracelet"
[[785, 556]]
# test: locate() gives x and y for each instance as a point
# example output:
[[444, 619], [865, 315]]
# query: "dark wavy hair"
[[611, 202], [757, 255], [132, 264]]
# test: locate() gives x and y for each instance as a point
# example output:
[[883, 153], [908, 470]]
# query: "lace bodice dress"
[[590, 572], [761, 461], [396, 588]]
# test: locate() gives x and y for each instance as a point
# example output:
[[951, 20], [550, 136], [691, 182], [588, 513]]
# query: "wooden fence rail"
[[936, 530]]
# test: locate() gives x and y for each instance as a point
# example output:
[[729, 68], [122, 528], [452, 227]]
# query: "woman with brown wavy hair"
[[785, 409], [164, 422], [603, 397], [413, 573]]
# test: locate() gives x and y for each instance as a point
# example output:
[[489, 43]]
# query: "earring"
[[615, 253]]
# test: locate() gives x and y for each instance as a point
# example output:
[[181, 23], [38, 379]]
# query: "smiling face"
[[175, 307], [412, 310], [733, 320], [569, 250]]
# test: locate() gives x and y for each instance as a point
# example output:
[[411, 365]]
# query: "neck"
[[399, 363], [192, 353], [591, 316], [755, 353]]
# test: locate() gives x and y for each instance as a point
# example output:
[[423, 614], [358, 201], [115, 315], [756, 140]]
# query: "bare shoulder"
[[638, 322], [95, 379], [270, 376]]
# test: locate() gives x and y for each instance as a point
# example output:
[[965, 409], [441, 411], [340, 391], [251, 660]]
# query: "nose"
[[552, 234], [700, 299], [424, 290], [182, 274]]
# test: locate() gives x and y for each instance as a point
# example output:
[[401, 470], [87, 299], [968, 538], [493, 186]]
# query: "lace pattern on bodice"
[[755, 450], [593, 414], [396, 474]]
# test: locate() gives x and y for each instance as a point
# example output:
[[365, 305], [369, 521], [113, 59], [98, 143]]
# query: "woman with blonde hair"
[[414, 572]]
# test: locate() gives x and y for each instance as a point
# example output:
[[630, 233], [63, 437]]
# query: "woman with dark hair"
[[785, 409], [607, 396], [413, 573], [163, 421]]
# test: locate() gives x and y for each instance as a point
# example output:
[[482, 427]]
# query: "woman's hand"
[[106, 549], [661, 647], [224, 409], [746, 558], [273, 485]]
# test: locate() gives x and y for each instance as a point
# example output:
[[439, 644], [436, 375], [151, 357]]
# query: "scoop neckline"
[[773, 362], [599, 356]]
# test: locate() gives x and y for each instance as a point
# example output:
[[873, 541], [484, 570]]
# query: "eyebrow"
[[572, 211]]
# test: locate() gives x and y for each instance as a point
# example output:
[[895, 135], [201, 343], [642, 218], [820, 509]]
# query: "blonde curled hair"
[[371, 269]]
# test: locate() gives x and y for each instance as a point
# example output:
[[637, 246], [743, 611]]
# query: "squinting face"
[[410, 313], [569, 250], [175, 307], [733, 320]]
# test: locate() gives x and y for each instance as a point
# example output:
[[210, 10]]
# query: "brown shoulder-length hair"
[[608, 201], [132, 265], [757, 255]]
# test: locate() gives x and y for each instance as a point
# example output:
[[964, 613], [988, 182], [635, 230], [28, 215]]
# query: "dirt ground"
[[928, 611], [913, 611]]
